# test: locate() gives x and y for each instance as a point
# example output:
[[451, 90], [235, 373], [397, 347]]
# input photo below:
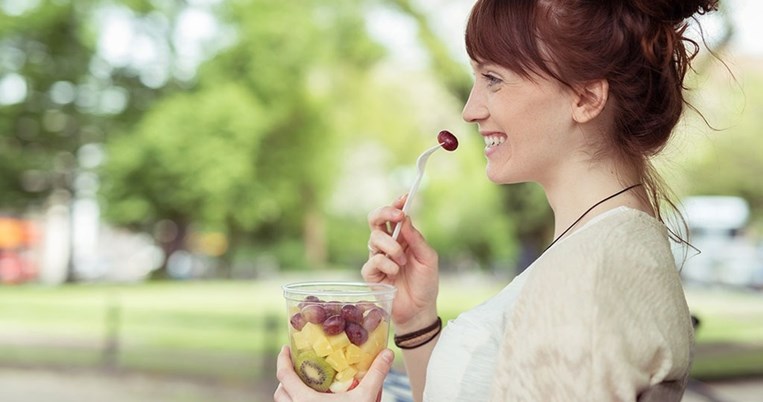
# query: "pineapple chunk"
[[322, 347], [346, 374], [365, 361], [353, 354], [379, 335], [300, 340], [312, 332], [339, 341], [377, 340], [337, 360]]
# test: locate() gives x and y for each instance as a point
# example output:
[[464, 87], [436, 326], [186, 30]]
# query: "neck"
[[575, 192]]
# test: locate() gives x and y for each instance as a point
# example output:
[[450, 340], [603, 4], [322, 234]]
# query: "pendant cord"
[[586, 213]]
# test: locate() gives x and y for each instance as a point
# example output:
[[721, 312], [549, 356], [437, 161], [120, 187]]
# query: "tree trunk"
[[170, 243]]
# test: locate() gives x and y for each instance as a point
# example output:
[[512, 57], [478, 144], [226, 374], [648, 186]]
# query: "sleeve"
[[584, 329]]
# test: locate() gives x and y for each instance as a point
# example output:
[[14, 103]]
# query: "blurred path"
[[747, 390], [40, 385]]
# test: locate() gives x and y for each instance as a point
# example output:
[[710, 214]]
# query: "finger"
[[383, 243], [400, 201], [374, 379], [281, 395], [379, 268], [378, 218], [289, 379], [372, 250]]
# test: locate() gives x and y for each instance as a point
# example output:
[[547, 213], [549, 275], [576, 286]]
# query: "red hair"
[[638, 46]]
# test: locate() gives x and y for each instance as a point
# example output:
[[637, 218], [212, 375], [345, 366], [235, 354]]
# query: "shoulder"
[[623, 244], [605, 306], [624, 266]]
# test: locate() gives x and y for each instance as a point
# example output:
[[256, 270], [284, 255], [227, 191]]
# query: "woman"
[[576, 96]]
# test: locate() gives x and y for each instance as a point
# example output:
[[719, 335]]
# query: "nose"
[[474, 109]]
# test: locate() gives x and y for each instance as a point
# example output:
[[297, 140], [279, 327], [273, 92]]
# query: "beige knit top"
[[602, 317]]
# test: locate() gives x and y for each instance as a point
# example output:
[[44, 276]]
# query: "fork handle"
[[407, 204]]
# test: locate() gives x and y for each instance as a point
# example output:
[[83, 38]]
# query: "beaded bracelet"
[[419, 338]]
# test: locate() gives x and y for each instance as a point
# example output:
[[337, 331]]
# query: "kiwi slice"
[[314, 371]]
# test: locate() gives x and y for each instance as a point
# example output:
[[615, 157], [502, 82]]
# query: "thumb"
[[374, 379]]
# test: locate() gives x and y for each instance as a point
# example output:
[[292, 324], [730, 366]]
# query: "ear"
[[589, 100]]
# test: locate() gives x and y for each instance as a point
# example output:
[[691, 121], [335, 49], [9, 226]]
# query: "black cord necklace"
[[586, 213]]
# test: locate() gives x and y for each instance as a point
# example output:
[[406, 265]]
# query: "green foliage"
[[39, 136], [728, 161], [253, 149], [192, 157], [52, 47]]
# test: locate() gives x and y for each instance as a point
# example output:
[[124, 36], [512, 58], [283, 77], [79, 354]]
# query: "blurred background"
[[166, 165]]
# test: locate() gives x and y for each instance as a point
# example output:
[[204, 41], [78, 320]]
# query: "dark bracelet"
[[419, 338]]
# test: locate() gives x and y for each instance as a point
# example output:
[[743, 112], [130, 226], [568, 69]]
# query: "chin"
[[502, 177], [498, 178]]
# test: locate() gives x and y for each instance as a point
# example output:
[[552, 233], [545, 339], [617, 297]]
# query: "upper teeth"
[[493, 140]]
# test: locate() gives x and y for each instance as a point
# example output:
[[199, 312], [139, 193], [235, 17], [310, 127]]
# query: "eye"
[[491, 79]]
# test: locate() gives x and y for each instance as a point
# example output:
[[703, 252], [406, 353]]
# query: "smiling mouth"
[[494, 140]]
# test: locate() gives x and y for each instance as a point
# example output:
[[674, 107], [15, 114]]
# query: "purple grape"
[[372, 319], [308, 300], [356, 333], [352, 313], [447, 140], [314, 313], [333, 325], [333, 308], [297, 321], [365, 305]]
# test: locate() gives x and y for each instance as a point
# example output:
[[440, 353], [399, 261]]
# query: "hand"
[[292, 389], [408, 263]]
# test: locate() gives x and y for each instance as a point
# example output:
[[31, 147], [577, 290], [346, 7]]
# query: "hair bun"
[[675, 11]]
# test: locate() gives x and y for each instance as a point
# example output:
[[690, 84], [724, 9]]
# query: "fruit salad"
[[334, 342]]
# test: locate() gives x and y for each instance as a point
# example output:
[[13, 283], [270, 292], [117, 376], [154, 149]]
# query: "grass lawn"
[[226, 330]]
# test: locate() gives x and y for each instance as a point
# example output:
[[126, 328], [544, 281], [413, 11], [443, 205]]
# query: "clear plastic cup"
[[336, 329]]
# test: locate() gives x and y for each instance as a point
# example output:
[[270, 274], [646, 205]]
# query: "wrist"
[[420, 337], [417, 322]]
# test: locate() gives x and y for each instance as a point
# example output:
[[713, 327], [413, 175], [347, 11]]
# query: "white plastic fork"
[[420, 164]]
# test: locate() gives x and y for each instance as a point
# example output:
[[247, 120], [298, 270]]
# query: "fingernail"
[[388, 356]]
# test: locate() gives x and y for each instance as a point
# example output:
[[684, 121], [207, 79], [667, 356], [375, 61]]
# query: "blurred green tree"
[[729, 161], [249, 150], [59, 94]]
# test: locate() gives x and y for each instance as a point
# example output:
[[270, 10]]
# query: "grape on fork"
[[445, 140]]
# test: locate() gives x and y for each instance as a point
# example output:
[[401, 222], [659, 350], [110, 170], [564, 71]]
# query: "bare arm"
[[416, 362]]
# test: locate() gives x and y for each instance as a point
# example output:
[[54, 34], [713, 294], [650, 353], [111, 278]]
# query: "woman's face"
[[527, 124]]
